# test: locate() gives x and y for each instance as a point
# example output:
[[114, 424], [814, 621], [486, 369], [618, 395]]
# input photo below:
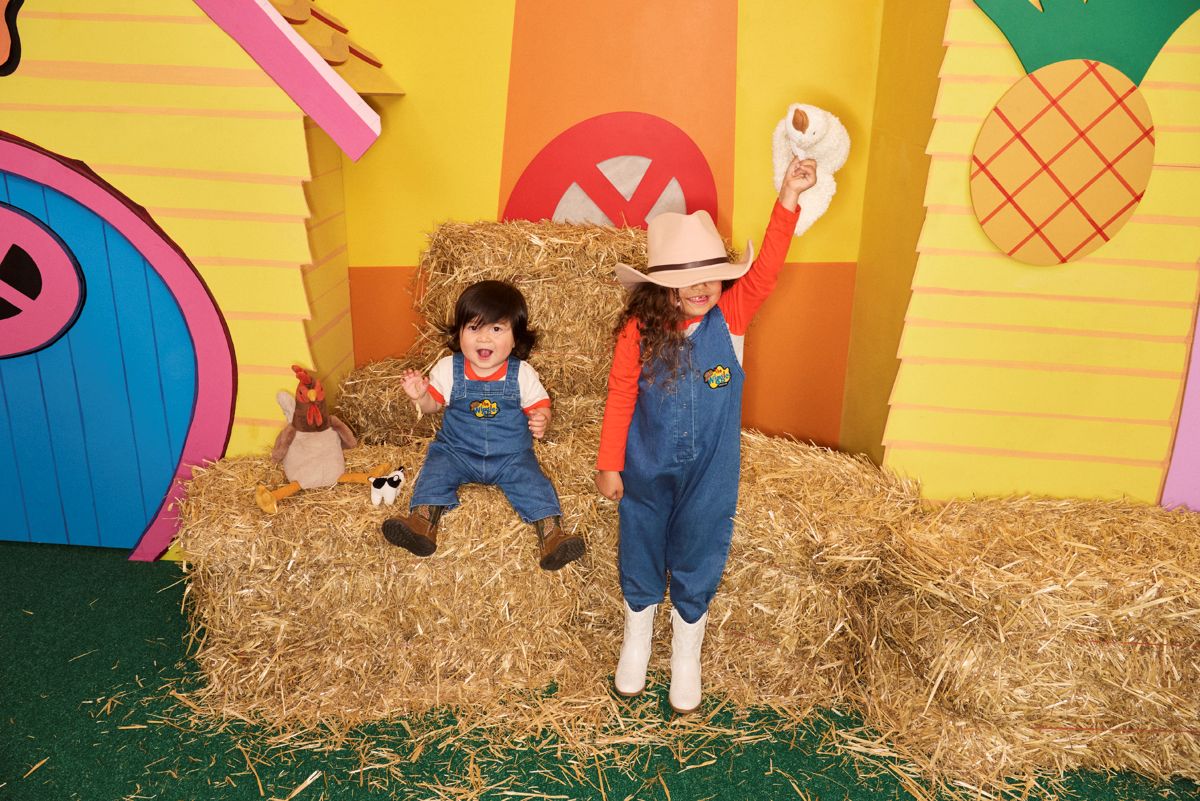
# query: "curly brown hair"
[[660, 323]]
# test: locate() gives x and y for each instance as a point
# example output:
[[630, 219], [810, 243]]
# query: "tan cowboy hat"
[[682, 250]]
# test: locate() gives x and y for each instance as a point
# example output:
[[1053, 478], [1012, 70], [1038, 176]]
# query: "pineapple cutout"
[[1064, 158]]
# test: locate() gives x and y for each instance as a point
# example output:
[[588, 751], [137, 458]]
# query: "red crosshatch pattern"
[[1062, 162]]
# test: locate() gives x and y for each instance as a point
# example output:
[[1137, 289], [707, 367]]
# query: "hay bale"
[[309, 617], [1025, 636], [565, 272]]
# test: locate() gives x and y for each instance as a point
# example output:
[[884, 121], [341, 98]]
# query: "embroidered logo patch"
[[484, 408], [717, 377]]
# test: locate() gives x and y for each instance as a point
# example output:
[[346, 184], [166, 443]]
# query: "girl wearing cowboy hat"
[[670, 444]]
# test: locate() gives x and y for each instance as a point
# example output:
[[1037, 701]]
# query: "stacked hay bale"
[[1024, 636], [981, 639], [311, 617]]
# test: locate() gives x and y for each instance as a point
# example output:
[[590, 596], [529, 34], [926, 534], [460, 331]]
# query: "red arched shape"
[[572, 156]]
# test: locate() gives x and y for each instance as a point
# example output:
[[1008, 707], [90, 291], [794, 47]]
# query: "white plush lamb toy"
[[809, 132]]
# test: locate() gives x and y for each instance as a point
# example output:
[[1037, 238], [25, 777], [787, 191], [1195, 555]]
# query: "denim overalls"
[[485, 439], [682, 464]]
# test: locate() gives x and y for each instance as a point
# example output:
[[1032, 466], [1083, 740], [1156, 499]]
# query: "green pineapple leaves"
[[1126, 34]]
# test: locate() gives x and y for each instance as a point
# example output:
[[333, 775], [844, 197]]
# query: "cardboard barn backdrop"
[[192, 198]]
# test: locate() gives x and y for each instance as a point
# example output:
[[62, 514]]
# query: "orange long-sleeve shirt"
[[739, 304]]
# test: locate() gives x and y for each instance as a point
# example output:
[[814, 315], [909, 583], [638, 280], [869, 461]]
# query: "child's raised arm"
[[801, 174], [416, 386]]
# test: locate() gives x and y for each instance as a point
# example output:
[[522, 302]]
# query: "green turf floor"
[[92, 645]]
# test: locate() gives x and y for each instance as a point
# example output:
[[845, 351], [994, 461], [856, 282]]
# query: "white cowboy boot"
[[630, 678], [686, 641]]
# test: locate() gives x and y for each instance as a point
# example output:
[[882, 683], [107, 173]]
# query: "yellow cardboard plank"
[[265, 101], [953, 137], [327, 277], [949, 183], [251, 440], [274, 147], [1080, 279], [1041, 391], [969, 98], [122, 40], [268, 343], [1139, 242], [265, 290], [1024, 346], [175, 8], [1178, 148], [329, 306], [324, 156], [954, 475], [995, 432], [991, 61], [1097, 316], [1175, 65], [233, 197], [205, 240], [968, 24]]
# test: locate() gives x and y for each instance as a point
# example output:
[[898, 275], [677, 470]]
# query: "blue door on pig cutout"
[[96, 394]]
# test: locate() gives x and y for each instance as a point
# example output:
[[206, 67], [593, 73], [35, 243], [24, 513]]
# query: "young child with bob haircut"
[[670, 444], [495, 405]]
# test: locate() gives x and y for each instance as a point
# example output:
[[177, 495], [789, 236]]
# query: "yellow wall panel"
[[269, 343], [971, 98], [1040, 313], [1085, 438], [956, 475], [981, 61], [275, 147], [953, 136], [233, 239], [226, 196], [267, 290], [202, 100], [441, 152], [1041, 391], [769, 78], [122, 41], [1078, 279], [1022, 346], [948, 183], [909, 55]]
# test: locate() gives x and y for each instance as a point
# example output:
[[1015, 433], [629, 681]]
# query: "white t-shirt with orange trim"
[[533, 394]]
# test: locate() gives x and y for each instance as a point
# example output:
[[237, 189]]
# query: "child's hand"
[[415, 385], [799, 176], [610, 485], [539, 421]]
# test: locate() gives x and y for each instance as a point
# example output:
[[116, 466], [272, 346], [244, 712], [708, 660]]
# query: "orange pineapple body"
[[1062, 162]]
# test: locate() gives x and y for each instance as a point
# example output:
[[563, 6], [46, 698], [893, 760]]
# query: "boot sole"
[[395, 532], [679, 711], [567, 552]]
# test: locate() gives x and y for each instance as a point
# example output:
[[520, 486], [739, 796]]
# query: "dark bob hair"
[[488, 302]]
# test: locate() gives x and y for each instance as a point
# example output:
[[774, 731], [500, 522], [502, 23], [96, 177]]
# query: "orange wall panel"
[[796, 354], [385, 316], [572, 61]]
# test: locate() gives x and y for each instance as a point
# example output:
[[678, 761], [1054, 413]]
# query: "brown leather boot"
[[557, 546], [417, 532]]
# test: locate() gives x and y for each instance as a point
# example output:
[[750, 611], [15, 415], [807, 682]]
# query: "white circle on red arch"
[[45, 312], [620, 168]]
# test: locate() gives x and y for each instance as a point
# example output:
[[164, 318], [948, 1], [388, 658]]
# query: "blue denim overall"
[[682, 464], [485, 439]]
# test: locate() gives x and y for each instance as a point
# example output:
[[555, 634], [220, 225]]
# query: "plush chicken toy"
[[310, 446]]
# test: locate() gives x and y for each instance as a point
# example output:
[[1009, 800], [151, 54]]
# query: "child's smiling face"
[[486, 346], [697, 299]]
